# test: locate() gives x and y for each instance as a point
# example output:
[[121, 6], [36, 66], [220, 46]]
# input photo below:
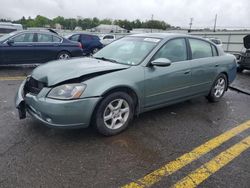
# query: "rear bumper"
[[57, 113], [244, 65], [244, 62]]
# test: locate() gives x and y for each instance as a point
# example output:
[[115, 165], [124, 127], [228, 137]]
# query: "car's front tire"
[[218, 89], [114, 113]]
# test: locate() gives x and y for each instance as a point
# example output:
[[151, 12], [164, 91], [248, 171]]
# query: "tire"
[[63, 55], [240, 69], [118, 108], [95, 50], [218, 89]]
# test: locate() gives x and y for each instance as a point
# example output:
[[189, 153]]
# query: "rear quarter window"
[[108, 37], [86, 37], [96, 38], [56, 39], [74, 38], [214, 50]]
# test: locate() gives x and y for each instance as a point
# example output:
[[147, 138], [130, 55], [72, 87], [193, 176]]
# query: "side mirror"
[[161, 62], [10, 42]]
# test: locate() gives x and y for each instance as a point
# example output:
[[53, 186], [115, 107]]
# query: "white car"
[[106, 39], [216, 41]]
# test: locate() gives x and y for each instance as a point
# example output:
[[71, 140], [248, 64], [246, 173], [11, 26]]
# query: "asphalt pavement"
[[33, 155]]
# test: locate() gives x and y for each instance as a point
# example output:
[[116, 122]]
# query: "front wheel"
[[114, 113], [218, 89]]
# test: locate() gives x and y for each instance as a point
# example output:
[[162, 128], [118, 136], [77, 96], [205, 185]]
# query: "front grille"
[[33, 86]]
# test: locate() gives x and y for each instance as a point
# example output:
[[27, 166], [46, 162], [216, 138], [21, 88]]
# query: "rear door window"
[[200, 48], [74, 38], [44, 37]]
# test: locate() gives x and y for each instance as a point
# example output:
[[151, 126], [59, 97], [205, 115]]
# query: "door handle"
[[187, 72], [216, 65]]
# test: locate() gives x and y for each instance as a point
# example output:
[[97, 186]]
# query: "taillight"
[[80, 45]]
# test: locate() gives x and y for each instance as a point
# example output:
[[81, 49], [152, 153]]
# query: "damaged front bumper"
[[19, 101], [53, 112]]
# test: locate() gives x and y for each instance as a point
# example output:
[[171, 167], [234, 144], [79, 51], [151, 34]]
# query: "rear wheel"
[[114, 113], [95, 50], [63, 55], [218, 89]]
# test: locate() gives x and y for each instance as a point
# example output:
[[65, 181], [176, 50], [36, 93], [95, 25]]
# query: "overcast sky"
[[231, 13]]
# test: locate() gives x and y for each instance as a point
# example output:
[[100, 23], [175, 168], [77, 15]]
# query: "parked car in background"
[[107, 39], [216, 41], [8, 27], [35, 47], [90, 43], [244, 58], [130, 76]]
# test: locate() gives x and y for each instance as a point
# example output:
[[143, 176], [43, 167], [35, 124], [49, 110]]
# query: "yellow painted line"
[[187, 158], [6, 78], [199, 175]]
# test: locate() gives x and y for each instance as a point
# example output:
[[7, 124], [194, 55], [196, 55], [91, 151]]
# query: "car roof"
[[168, 36], [36, 31], [87, 34], [160, 35]]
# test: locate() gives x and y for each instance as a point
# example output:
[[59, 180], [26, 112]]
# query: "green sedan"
[[132, 75]]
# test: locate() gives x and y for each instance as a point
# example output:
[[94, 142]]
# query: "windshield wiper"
[[106, 59]]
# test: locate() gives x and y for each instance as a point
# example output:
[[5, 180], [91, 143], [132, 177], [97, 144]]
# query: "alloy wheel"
[[219, 87], [64, 56], [116, 114]]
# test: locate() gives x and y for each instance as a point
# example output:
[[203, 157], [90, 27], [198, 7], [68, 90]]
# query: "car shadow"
[[158, 117]]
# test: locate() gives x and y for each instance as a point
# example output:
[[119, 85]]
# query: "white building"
[[103, 28], [147, 30]]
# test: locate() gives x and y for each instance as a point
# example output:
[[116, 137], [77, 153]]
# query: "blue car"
[[90, 43], [36, 47]]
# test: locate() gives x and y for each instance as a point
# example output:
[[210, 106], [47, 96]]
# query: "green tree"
[[59, 20], [106, 21], [88, 23], [41, 21]]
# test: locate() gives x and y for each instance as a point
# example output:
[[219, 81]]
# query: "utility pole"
[[190, 24], [152, 18], [215, 21]]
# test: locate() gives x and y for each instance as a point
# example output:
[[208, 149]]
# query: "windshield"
[[6, 36], [128, 50]]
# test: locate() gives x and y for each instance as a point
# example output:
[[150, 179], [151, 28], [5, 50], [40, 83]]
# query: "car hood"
[[246, 41], [56, 72]]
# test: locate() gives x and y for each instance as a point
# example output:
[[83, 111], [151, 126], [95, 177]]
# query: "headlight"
[[67, 91]]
